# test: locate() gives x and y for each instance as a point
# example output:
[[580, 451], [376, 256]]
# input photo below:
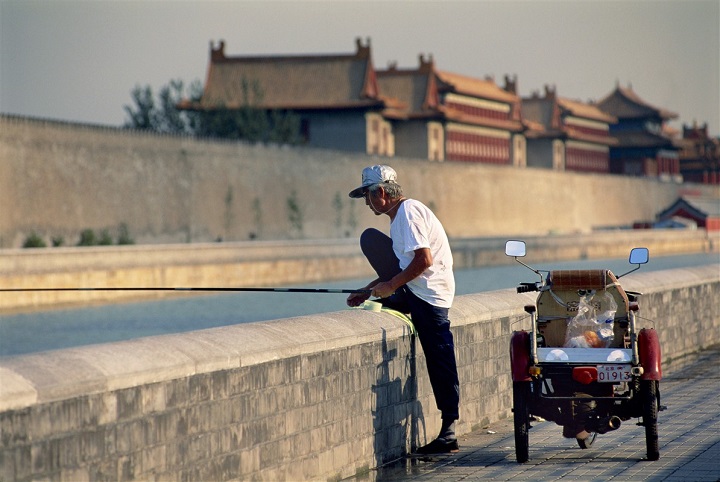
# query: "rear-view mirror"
[[639, 256], [515, 248]]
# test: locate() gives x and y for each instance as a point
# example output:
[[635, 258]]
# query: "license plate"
[[613, 373]]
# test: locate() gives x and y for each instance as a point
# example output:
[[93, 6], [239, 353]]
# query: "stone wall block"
[[177, 392], [129, 403], [153, 460], [15, 426], [129, 436], [244, 407], [154, 398], [92, 445], [200, 388], [198, 419]]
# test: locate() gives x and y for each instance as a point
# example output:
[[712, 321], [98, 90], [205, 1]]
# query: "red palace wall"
[[463, 146]]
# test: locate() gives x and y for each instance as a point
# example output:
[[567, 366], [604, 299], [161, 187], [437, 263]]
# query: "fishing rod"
[[270, 290]]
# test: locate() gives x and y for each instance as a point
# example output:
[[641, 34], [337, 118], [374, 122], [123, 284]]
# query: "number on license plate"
[[613, 373]]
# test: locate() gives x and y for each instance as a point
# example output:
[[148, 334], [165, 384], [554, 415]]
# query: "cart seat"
[[574, 279], [559, 305]]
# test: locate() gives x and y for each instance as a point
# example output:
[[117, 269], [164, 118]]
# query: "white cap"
[[374, 175]]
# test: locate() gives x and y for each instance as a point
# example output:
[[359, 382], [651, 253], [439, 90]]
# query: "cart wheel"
[[586, 443], [521, 418], [648, 392]]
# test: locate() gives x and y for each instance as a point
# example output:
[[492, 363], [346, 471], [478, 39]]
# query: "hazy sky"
[[79, 60]]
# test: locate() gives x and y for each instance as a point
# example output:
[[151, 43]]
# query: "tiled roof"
[[543, 111], [623, 102], [586, 111], [701, 206], [410, 87], [292, 82], [641, 139], [533, 127], [419, 90], [486, 89], [584, 136], [543, 118], [459, 116]]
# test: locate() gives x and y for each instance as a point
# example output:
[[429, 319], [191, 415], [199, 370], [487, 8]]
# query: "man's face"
[[374, 200]]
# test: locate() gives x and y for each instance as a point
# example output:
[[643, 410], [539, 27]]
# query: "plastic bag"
[[588, 329]]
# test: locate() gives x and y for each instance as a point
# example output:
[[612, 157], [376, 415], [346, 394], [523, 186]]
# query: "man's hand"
[[357, 299], [383, 290]]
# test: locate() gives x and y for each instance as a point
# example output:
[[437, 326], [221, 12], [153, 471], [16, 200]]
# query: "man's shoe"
[[439, 446]]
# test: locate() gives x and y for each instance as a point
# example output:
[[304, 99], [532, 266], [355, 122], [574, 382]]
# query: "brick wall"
[[316, 397], [278, 263], [59, 179]]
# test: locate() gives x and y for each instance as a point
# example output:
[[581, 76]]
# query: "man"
[[414, 267]]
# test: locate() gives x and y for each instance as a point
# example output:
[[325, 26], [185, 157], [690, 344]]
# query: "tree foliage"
[[248, 123]]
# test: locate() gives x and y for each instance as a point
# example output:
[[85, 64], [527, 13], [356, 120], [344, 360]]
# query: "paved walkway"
[[689, 443]]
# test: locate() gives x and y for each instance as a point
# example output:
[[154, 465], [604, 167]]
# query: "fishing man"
[[415, 276]]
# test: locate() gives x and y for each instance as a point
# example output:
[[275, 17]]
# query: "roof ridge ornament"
[[363, 51], [217, 54]]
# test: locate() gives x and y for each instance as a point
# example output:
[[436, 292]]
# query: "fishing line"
[[270, 290]]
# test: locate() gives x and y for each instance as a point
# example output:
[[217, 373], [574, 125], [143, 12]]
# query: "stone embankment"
[[318, 397]]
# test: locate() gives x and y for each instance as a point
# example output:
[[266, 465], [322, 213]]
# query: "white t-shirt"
[[415, 227]]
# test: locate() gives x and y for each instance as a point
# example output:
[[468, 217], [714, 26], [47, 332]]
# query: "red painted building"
[[703, 210], [644, 146], [699, 155], [448, 116]]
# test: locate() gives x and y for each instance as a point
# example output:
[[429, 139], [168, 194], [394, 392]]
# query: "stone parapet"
[[310, 398]]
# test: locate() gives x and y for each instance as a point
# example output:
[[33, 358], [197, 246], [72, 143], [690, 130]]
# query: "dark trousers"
[[431, 322]]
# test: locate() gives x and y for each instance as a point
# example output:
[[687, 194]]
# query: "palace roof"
[[543, 117], [291, 82], [482, 88], [420, 90], [623, 102], [585, 111], [413, 88], [696, 207], [642, 139]]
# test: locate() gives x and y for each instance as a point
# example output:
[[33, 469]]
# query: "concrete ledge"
[[61, 374], [55, 375], [660, 281]]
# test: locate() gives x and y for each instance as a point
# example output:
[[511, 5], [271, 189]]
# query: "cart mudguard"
[[520, 356], [649, 351]]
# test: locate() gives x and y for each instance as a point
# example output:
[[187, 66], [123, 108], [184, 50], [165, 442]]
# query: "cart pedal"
[[662, 408]]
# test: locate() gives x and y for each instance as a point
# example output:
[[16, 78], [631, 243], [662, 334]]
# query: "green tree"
[[87, 238], [34, 240], [124, 235], [338, 206], [142, 116], [285, 127], [295, 214], [169, 118], [105, 239], [258, 218], [248, 122]]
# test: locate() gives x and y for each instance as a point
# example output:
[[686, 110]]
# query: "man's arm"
[[422, 261]]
